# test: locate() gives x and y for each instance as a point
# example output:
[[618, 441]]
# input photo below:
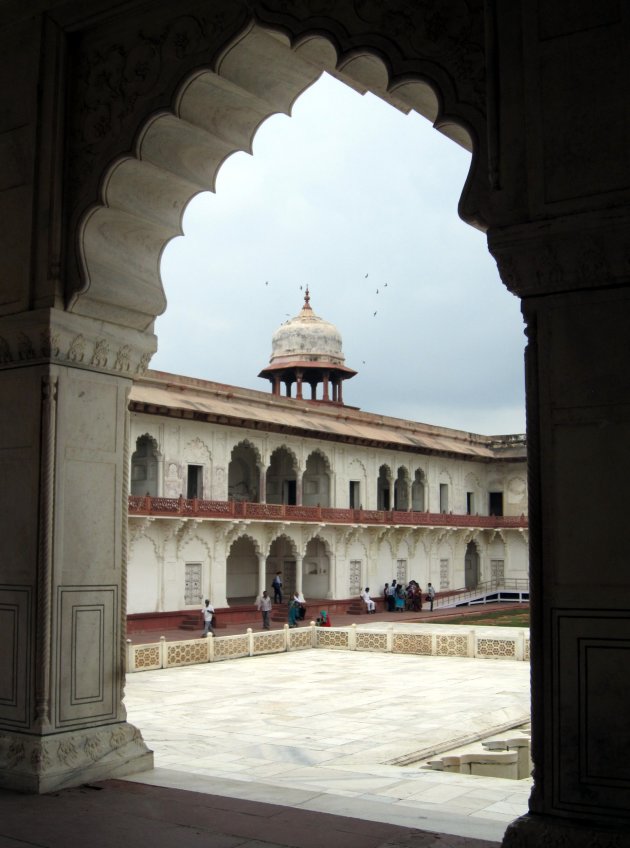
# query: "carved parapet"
[[53, 336]]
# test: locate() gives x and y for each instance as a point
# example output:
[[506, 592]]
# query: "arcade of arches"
[[250, 487], [110, 123]]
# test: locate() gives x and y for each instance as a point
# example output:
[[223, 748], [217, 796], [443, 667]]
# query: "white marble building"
[[230, 485]]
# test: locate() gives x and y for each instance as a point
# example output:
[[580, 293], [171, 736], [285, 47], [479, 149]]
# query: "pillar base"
[[532, 831], [40, 764]]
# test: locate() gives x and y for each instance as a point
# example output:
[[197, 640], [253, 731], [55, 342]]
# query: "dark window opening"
[[195, 481], [495, 506]]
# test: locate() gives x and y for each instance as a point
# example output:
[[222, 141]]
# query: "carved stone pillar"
[[298, 572], [64, 383], [262, 573], [576, 303]]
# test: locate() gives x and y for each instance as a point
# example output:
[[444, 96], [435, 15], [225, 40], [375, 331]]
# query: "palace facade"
[[231, 485]]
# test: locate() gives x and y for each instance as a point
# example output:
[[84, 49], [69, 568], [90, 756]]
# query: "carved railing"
[[198, 508], [439, 642]]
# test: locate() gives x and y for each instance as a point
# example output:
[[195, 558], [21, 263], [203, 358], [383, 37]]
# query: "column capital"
[[578, 252], [46, 336]]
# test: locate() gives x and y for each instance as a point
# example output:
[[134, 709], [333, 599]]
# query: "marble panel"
[[15, 638], [87, 685]]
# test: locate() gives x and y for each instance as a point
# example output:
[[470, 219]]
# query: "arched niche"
[[316, 480], [242, 571], [145, 466], [244, 473], [282, 477]]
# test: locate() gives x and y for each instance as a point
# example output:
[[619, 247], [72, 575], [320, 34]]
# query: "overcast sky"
[[349, 195]]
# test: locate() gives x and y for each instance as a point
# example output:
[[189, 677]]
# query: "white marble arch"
[[89, 203]]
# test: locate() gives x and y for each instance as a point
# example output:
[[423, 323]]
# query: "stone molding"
[[54, 336], [566, 254], [56, 761]]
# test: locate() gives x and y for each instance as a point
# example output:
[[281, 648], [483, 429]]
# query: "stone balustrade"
[[460, 642], [199, 508]]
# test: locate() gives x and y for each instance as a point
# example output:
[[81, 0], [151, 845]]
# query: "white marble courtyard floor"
[[317, 730]]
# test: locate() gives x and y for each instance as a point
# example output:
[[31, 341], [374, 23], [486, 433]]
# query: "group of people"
[[400, 598], [397, 597], [297, 604]]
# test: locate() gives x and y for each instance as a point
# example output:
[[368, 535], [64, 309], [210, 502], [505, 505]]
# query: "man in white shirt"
[[264, 605], [207, 612], [369, 603]]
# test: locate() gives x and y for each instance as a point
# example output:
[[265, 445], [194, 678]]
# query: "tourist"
[[294, 610], [207, 612], [302, 606], [399, 598], [391, 597], [323, 620], [430, 595], [414, 597], [276, 585], [264, 605], [369, 603]]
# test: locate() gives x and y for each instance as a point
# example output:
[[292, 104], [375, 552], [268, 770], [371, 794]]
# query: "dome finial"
[[307, 299]]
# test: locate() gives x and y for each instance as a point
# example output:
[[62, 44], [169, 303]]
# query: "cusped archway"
[[154, 140]]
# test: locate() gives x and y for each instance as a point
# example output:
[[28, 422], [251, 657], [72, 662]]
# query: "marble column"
[[262, 573], [64, 383], [577, 312], [298, 573]]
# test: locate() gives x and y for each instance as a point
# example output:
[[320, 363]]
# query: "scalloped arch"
[[214, 111], [287, 538], [248, 537]]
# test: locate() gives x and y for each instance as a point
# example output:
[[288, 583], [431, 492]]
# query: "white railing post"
[[131, 657], [352, 637], [162, 651], [250, 641], [471, 644], [519, 650], [287, 638], [210, 644], [390, 638]]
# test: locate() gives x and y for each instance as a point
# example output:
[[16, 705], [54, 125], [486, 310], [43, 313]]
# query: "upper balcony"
[[198, 508]]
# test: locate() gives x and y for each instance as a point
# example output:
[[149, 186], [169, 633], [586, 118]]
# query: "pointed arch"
[[282, 477], [244, 472], [419, 491], [316, 567], [401, 489], [145, 467], [241, 570], [384, 488], [316, 479]]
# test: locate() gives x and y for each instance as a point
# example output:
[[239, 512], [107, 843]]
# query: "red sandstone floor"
[[144, 636], [116, 814]]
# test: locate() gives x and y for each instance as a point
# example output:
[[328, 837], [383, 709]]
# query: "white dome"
[[307, 338]]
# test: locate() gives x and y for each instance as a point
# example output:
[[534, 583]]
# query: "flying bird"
[[376, 291], [375, 312], [366, 276], [266, 282], [385, 286]]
